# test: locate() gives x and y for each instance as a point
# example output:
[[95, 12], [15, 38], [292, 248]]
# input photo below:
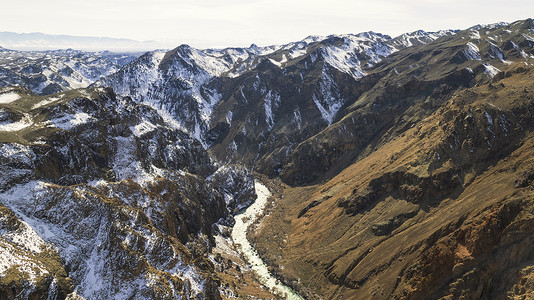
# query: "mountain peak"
[[489, 26]]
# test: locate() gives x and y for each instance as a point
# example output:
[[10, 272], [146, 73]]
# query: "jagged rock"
[[123, 197]]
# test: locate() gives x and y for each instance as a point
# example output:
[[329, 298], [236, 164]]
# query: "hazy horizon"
[[26, 41], [239, 23]]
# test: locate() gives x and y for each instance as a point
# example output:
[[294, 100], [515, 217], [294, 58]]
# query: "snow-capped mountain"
[[48, 72], [237, 99]]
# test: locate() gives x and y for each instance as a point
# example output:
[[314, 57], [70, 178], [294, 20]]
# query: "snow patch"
[[47, 101], [490, 70], [474, 34], [9, 97], [489, 118], [126, 166], [142, 128], [327, 99], [341, 60], [11, 258], [70, 121], [25, 237], [472, 52], [229, 115], [297, 118], [270, 103], [16, 126]]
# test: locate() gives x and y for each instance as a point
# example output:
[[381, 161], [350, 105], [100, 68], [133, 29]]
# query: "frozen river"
[[239, 235]]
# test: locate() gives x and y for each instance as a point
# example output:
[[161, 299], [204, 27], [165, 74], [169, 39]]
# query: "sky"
[[223, 23]]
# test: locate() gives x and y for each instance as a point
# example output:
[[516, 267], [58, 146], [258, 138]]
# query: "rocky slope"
[[49, 72], [413, 83], [438, 204], [257, 104], [101, 198]]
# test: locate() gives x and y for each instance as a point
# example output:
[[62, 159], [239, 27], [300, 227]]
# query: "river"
[[239, 235]]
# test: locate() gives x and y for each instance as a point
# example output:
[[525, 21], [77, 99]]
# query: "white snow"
[[297, 52], [239, 235], [339, 59], [521, 52], [10, 257], [489, 118], [24, 237], [490, 70], [297, 118], [528, 37], [9, 97], [142, 128], [125, 164], [497, 52], [472, 52], [474, 34], [270, 103], [229, 115], [327, 99], [16, 126], [47, 101], [16, 152], [79, 226], [69, 121]]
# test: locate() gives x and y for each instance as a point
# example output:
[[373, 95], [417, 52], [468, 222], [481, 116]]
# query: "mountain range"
[[48, 72], [37, 41], [400, 168]]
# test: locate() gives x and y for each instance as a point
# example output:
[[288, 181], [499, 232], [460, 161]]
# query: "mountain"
[[101, 198], [412, 84], [391, 153], [48, 72], [440, 211], [430, 192], [37, 41], [254, 105]]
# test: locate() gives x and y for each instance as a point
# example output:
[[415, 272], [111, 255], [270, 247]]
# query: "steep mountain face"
[[412, 84], [103, 199], [254, 106], [438, 205], [49, 72], [443, 210]]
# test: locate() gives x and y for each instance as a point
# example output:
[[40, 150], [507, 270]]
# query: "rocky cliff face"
[[254, 105], [438, 207], [413, 83], [103, 198]]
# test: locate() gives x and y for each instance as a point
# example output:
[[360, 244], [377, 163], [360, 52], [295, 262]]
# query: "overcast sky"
[[220, 23]]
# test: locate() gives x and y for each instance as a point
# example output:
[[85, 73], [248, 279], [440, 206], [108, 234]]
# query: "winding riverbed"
[[239, 235]]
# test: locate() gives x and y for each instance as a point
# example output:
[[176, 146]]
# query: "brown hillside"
[[443, 210]]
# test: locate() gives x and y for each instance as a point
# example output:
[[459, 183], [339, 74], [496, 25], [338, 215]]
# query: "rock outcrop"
[[103, 198]]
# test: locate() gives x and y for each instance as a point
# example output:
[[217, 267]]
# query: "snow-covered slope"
[[124, 201], [48, 72], [189, 83]]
